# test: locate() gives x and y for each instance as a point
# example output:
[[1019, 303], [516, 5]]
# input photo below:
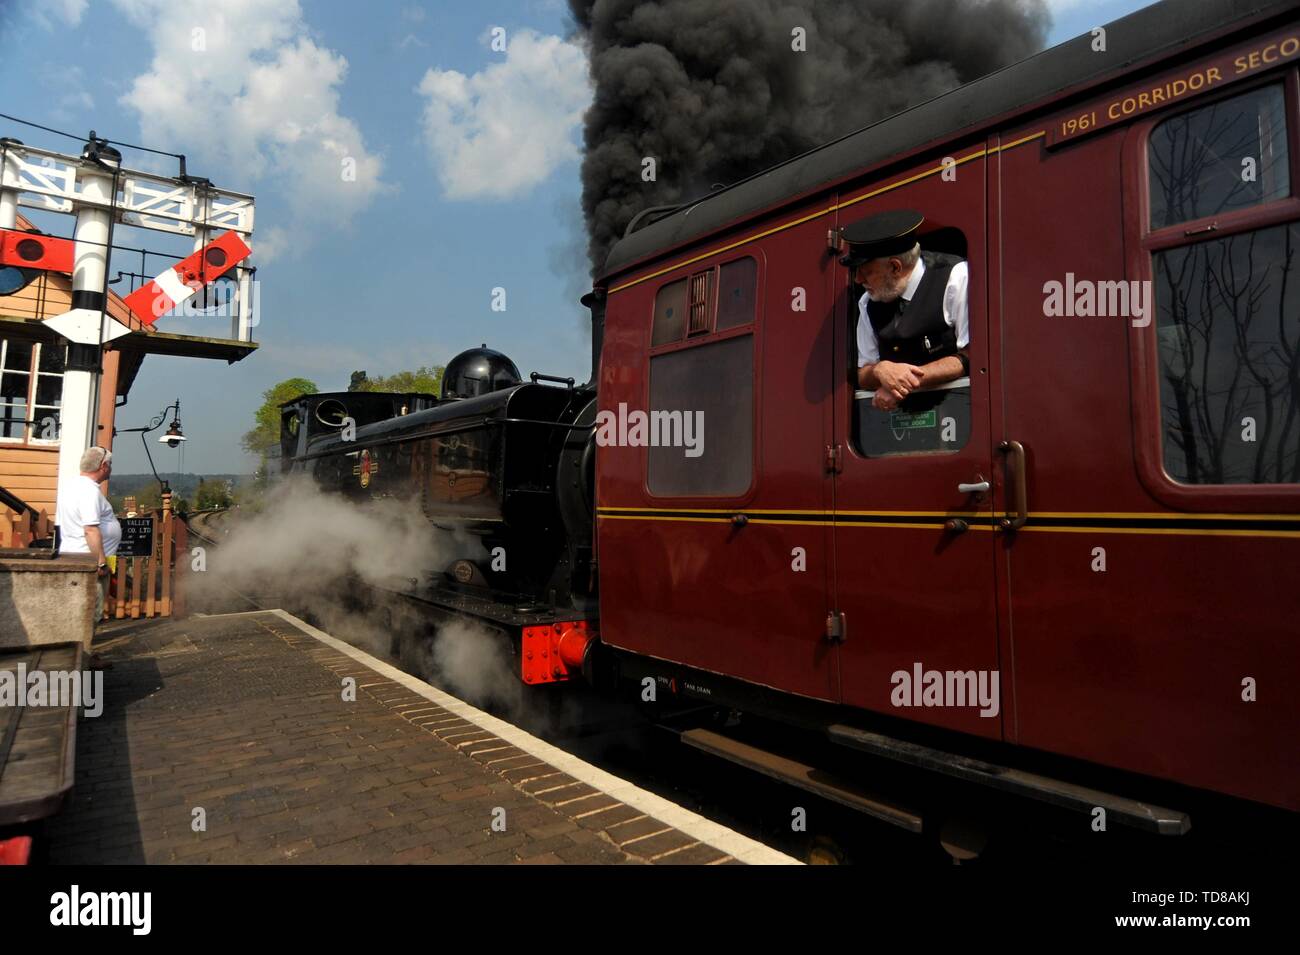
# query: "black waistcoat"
[[919, 335]]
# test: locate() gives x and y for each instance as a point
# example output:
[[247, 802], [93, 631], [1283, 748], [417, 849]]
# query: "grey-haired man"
[[87, 524]]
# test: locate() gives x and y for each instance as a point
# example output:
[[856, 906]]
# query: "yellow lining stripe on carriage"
[[1117, 515], [715, 515], [725, 512], [1184, 531], [898, 184]]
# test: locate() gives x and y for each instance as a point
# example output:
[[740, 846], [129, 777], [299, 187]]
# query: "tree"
[[358, 381], [265, 436], [148, 498], [212, 493], [424, 380]]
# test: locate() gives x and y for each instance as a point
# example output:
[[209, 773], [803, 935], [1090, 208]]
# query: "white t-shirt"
[[80, 505], [954, 311]]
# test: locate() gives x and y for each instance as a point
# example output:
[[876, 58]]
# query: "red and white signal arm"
[[186, 277], [31, 250]]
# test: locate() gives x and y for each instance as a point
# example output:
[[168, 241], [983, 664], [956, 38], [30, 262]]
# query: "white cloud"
[[248, 95], [500, 132]]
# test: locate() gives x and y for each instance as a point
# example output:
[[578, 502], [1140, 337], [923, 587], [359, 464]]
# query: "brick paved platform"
[[243, 717]]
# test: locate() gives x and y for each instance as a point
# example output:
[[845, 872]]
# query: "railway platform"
[[256, 738]]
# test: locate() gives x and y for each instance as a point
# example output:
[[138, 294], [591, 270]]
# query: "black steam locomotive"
[[505, 466]]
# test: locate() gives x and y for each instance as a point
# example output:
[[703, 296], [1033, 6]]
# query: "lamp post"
[[173, 437]]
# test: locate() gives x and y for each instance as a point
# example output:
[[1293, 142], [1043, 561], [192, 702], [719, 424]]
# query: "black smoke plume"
[[714, 91]]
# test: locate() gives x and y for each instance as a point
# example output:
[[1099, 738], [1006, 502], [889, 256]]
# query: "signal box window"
[[1229, 155], [1228, 324], [31, 391]]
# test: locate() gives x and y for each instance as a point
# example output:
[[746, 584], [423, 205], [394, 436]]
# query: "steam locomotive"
[[506, 464], [1074, 517]]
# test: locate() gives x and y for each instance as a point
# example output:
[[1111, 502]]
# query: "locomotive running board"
[[804, 777], [1140, 815]]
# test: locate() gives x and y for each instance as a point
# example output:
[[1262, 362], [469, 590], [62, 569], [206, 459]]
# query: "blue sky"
[[467, 177]]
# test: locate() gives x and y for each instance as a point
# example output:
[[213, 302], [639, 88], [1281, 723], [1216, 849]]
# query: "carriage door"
[[914, 547]]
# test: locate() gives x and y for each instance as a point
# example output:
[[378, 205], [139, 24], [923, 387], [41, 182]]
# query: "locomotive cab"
[[308, 417]]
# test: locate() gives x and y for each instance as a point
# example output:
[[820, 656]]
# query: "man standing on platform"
[[87, 524]]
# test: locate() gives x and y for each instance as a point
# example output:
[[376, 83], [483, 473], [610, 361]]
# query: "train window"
[[701, 422], [670, 314], [737, 293], [1228, 328], [934, 421], [1228, 155]]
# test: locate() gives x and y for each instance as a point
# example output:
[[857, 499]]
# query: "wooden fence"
[[21, 524], [152, 586]]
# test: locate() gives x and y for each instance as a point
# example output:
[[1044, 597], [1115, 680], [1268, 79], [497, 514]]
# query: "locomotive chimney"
[[595, 300]]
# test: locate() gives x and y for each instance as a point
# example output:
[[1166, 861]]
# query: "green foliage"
[[426, 380], [212, 493], [148, 498], [265, 436]]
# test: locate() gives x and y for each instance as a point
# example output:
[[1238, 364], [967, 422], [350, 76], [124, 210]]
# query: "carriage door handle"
[[957, 525], [1017, 488]]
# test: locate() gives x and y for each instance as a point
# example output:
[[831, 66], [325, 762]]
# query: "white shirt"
[[954, 311], [81, 505]]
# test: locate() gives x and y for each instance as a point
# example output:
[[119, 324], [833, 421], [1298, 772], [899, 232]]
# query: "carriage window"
[[701, 420], [934, 419], [670, 314], [1229, 155], [1228, 325], [737, 293]]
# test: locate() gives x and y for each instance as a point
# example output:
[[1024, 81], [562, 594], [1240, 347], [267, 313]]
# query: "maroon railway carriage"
[[1131, 219]]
